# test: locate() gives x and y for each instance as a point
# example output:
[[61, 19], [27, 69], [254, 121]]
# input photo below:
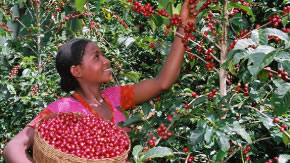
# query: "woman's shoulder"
[[62, 104]]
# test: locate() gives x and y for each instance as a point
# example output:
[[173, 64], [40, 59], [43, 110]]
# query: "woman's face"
[[95, 68]]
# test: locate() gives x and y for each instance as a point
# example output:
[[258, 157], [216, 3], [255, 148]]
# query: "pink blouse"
[[118, 96]]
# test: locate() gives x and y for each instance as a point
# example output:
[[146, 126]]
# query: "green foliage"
[[209, 127]]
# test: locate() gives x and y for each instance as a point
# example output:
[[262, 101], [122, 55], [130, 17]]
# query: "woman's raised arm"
[[150, 88], [16, 149]]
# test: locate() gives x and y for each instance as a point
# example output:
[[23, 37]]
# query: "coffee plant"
[[229, 104]]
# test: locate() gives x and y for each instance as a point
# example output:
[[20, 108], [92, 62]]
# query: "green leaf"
[[199, 100], [212, 117], [223, 141], [80, 4], [196, 136], [255, 36], [208, 134], [246, 8], [241, 131], [136, 151], [220, 155], [284, 158], [134, 119], [158, 21], [134, 76], [243, 44], [11, 89], [158, 152], [267, 122], [164, 4], [76, 25], [260, 58], [129, 41], [281, 97], [146, 107], [285, 138], [278, 33], [285, 20]]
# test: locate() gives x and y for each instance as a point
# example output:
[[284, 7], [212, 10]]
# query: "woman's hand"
[[16, 149], [188, 11]]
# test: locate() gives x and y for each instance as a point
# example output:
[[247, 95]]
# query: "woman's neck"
[[91, 94]]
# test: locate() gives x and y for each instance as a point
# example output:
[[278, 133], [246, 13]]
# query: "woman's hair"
[[68, 55]]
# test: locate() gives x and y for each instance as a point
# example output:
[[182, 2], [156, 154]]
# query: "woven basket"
[[45, 153]]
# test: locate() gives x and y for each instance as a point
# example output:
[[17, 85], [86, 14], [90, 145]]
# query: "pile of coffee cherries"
[[85, 136]]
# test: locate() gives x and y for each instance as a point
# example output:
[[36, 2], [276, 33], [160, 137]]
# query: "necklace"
[[98, 103]]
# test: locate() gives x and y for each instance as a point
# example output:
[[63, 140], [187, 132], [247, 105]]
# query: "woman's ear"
[[75, 71]]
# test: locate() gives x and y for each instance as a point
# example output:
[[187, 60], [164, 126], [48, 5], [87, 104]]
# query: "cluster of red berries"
[[175, 20], [232, 45], [245, 151], [275, 38], [120, 20], [13, 72], [283, 127], [286, 10], [206, 4], [152, 45], [275, 20], [72, 15], [276, 159], [286, 30], [209, 66], [146, 10], [193, 4], [4, 26], [211, 94], [94, 25], [161, 131], [151, 141], [282, 74], [188, 34], [85, 136], [243, 34], [210, 22], [162, 12], [246, 89], [233, 12], [190, 159], [34, 89]]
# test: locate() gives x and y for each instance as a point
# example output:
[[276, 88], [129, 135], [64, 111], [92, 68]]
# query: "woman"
[[83, 68]]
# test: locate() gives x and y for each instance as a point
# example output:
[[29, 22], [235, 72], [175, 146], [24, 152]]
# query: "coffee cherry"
[[185, 149], [195, 95], [247, 158], [248, 148], [282, 129], [191, 158], [276, 120], [270, 74], [269, 161], [279, 70], [169, 118], [276, 159], [169, 134], [284, 126], [230, 150]]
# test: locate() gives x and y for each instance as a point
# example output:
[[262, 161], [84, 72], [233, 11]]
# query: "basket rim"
[[51, 115]]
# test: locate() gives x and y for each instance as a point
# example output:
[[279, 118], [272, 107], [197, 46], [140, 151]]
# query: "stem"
[[38, 35], [217, 45], [157, 141], [275, 72], [202, 60], [223, 72], [250, 107], [234, 152]]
